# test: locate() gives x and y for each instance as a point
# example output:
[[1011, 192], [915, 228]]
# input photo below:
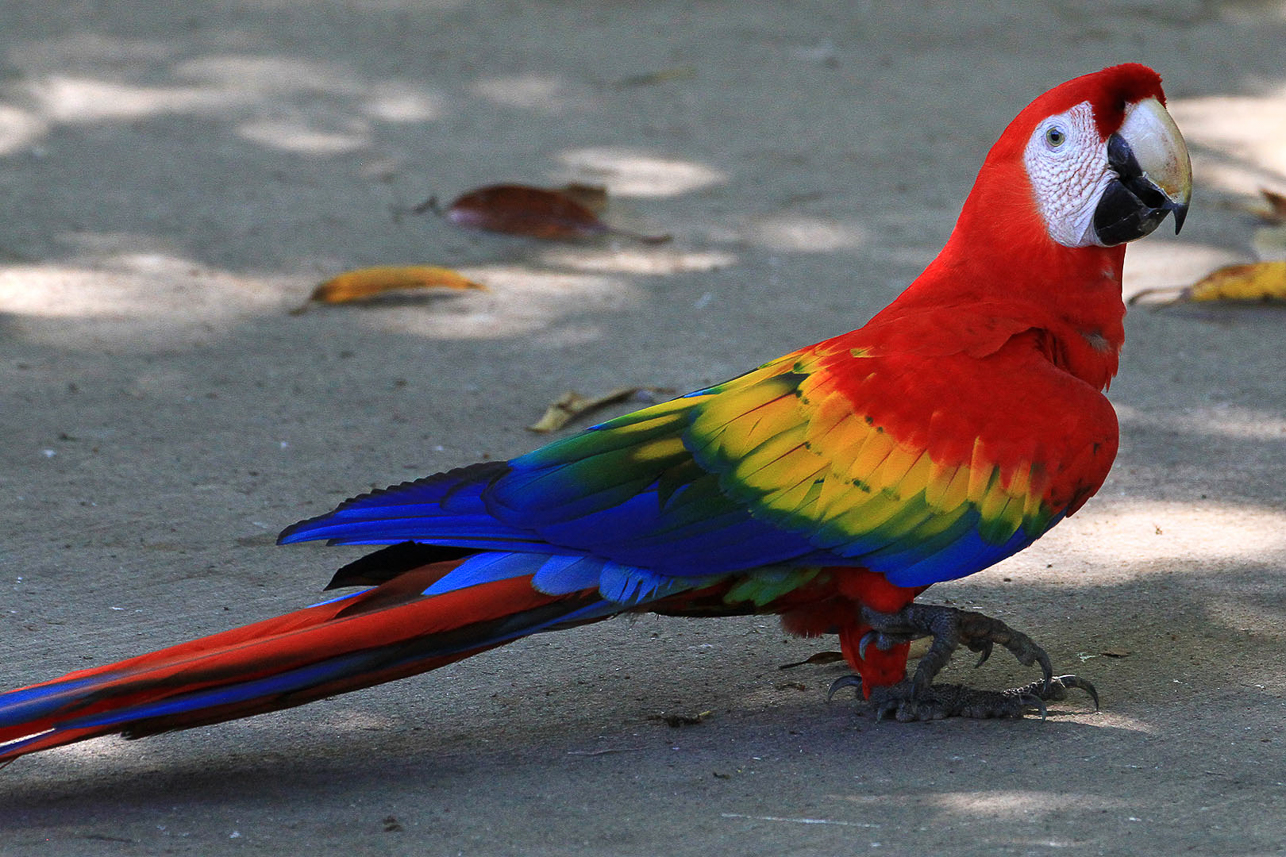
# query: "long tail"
[[402, 627]]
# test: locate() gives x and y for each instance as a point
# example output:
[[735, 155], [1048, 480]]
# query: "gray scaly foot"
[[918, 698]]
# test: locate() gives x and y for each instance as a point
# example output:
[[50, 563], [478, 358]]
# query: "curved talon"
[[842, 682], [1046, 667], [919, 698], [1068, 681], [864, 642]]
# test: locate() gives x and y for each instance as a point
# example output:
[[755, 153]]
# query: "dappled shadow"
[[478, 735], [174, 186], [1161, 635]]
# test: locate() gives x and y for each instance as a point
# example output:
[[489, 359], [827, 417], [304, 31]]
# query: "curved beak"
[[1153, 176]]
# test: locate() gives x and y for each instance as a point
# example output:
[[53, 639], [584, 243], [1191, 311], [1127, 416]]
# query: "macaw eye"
[[1055, 137]]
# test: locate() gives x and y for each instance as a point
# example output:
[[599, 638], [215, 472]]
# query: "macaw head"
[[1100, 158]]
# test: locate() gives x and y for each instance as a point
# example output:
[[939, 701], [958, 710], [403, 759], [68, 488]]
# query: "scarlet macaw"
[[830, 486]]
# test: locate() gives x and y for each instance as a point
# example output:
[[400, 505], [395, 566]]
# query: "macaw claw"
[[950, 629], [1056, 689], [901, 701], [853, 681], [918, 698]]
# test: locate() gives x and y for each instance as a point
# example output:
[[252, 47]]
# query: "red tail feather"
[[389, 632]]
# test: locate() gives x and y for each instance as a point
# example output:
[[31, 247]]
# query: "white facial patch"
[[1067, 165]]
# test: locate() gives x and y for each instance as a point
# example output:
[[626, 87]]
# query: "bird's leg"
[[918, 698]]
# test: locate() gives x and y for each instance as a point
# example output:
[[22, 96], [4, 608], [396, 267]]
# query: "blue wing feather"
[[628, 507]]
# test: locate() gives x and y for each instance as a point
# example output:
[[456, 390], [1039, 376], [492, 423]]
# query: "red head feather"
[[1001, 250], [1001, 211], [1108, 91]]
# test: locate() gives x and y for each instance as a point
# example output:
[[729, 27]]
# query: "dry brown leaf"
[[571, 405], [1276, 205], [592, 196], [819, 658], [534, 212], [365, 283], [1115, 653], [674, 721], [1271, 208], [521, 210]]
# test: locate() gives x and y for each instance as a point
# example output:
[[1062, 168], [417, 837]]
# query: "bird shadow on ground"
[[1157, 640]]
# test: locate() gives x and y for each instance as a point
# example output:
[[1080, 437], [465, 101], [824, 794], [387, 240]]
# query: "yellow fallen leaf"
[[365, 283], [1257, 281], [570, 405]]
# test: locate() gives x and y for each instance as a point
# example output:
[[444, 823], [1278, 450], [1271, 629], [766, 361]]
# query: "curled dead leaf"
[[819, 658], [365, 283], [1270, 208], [592, 196], [678, 72], [520, 210], [571, 405], [674, 721], [1276, 212], [1253, 282], [559, 215]]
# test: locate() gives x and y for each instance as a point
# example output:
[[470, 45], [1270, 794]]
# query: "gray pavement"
[[174, 178]]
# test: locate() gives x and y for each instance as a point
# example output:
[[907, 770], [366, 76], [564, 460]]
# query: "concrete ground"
[[174, 178]]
